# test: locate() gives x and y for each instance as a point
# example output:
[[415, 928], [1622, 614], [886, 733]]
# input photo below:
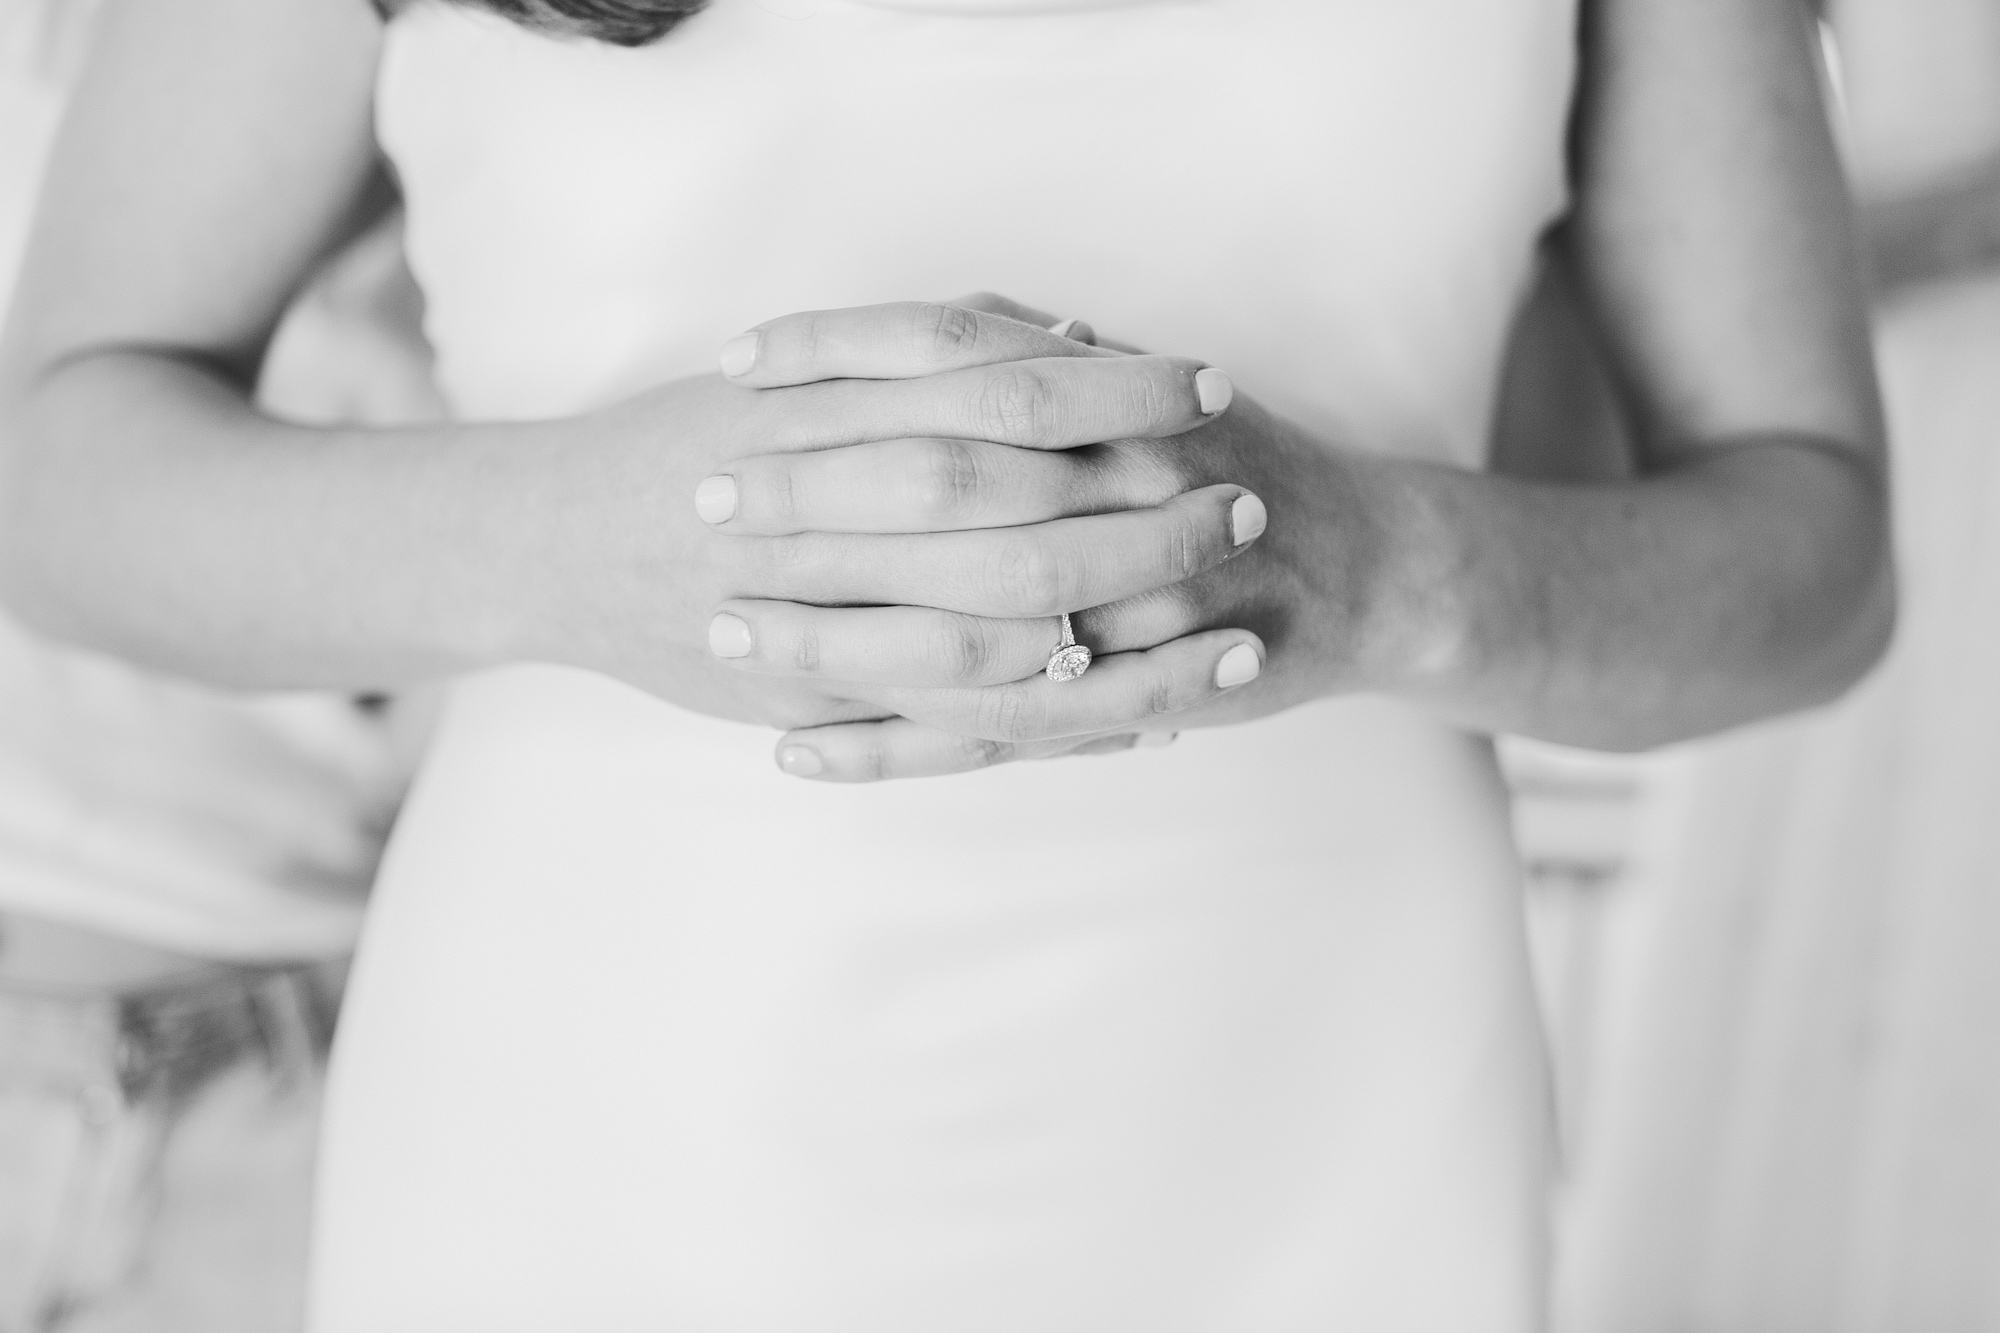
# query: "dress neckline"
[[997, 8]]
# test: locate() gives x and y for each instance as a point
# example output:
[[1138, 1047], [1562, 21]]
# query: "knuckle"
[[1146, 396], [1029, 578], [1183, 549], [1159, 696], [943, 332], [1018, 402], [960, 651], [947, 481], [1183, 552], [1008, 713], [806, 650], [873, 761], [1157, 396], [778, 492], [808, 335], [979, 752]]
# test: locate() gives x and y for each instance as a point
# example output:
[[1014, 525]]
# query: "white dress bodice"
[[1230, 1035]]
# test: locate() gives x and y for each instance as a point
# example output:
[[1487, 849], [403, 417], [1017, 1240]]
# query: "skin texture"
[[1742, 571]]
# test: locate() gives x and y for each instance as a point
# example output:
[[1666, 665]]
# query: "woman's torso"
[[1232, 1034]]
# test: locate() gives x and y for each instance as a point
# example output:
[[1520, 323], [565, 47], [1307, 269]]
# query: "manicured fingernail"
[[715, 499], [1158, 740], [1214, 389], [739, 354], [1062, 327], [1246, 519], [1239, 666], [800, 761], [729, 636]]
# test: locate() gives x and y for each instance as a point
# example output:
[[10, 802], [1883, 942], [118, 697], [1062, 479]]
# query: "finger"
[[880, 645], [1124, 692], [881, 342], [1049, 403], [1043, 569], [897, 748], [919, 647], [1075, 330], [1106, 745], [900, 748], [993, 303], [929, 486]]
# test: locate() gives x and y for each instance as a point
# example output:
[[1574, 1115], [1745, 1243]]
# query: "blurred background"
[[1765, 961]]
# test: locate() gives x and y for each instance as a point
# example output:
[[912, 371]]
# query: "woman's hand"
[[1316, 630], [848, 566], [1742, 573]]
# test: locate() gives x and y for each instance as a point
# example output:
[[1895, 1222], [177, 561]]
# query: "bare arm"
[[213, 153], [220, 144], [1745, 571], [1736, 568], [217, 148]]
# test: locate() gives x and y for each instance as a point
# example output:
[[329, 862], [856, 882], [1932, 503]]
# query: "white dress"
[[1233, 1035]]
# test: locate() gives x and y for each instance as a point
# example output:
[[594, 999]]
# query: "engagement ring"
[[1071, 659]]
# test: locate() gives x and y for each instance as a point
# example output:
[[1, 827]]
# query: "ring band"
[[1070, 659]]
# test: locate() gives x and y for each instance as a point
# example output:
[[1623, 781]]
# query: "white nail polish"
[[1062, 327], [739, 354], [1158, 740], [800, 761], [1215, 391], [1247, 519], [729, 636], [1239, 666], [715, 499]]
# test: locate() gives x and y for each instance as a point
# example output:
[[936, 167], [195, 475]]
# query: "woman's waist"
[[545, 758]]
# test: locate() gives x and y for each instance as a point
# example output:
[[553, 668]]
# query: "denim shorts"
[[130, 1120]]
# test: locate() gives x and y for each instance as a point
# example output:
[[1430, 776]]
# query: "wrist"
[[522, 551], [1405, 603], [593, 538]]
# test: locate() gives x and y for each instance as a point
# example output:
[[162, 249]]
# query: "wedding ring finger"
[[924, 647], [886, 645]]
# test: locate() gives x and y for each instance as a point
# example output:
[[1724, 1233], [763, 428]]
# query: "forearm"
[[1744, 583], [1939, 232], [151, 512]]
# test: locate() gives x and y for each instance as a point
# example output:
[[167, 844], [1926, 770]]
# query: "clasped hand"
[[902, 500]]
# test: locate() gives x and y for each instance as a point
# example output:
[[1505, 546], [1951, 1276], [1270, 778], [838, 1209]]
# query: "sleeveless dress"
[[1231, 1035]]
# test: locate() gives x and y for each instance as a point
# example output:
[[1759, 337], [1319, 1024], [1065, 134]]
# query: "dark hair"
[[620, 22]]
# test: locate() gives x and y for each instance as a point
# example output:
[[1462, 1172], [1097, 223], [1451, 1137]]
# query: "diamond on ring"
[[1071, 659]]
